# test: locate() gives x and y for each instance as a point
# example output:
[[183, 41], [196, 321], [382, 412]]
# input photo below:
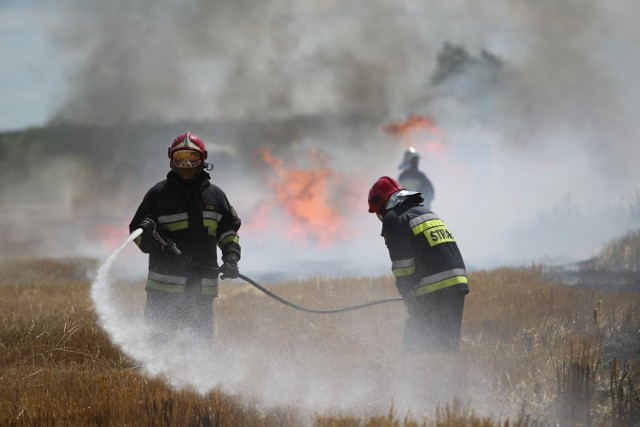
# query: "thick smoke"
[[535, 101], [243, 60]]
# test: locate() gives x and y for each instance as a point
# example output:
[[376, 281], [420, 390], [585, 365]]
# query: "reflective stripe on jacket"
[[424, 254]]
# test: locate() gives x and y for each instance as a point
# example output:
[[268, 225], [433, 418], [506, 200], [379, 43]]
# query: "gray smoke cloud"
[[535, 103], [230, 59]]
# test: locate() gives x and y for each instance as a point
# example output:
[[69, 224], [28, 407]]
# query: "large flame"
[[305, 197]]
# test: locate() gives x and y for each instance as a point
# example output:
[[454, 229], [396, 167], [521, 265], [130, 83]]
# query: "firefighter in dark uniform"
[[187, 212], [427, 264], [412, 178]]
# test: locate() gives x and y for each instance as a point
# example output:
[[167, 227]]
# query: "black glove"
[[148, 224], [230, 266]]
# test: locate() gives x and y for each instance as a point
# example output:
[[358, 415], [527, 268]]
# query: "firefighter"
[[413, 179], [427, 265], [186, 211]]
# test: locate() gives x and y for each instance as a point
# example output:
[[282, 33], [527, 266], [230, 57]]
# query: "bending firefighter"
[[185, 219], [427, 264]]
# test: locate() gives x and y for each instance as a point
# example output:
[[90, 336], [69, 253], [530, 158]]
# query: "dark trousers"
[[167, 314], [434, 322]]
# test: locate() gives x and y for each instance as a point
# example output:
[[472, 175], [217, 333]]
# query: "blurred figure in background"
[[185, 219], [427, 264], [411, 178]]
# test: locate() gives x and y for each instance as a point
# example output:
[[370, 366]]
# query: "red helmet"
[[188, 141], [380, 193]]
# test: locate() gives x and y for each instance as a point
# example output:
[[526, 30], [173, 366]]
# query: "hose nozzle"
[[149, 225], [166, 243]]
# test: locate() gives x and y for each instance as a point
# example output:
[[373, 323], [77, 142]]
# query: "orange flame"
[[412, 125], [420, 132], [304, 194]]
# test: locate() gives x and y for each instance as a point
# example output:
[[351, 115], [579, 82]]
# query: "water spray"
[[100, 290]]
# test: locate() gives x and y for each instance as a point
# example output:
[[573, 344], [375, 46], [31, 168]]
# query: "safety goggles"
[[186, 158]]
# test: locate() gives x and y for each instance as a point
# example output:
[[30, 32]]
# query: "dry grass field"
[[533, 352]]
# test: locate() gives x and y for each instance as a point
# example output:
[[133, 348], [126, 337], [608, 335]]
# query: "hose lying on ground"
[[171, 246], [315, 310], [296, 306]]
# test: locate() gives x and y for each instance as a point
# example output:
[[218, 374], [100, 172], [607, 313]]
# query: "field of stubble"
[[532, 352]]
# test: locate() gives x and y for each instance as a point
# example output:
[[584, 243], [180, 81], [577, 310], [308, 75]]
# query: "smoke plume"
[[535, 102]]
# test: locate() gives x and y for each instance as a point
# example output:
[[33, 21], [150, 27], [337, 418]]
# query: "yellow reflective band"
[[435, 231], [179, 221], [424, 226], [400, 272], [165, 287], [432, 287], [175, 226], [231, 238], [138, 240], [212, 225]]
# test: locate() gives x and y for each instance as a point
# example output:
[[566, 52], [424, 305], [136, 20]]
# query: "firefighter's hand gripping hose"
[[149, 225], [277, 297]]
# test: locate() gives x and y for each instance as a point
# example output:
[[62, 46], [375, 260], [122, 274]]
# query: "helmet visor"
[[186, 158]]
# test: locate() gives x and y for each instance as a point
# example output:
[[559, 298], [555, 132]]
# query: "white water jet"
[[127, 330], [102, 293]]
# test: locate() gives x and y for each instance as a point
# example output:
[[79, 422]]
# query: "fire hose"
[[315, 310], [171, 246]]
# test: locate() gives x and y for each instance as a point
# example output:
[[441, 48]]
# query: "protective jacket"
[[197, 216], [424, 254], [415, 180]]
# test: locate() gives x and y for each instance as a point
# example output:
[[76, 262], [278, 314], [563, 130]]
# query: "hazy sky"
[[31, 72]]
